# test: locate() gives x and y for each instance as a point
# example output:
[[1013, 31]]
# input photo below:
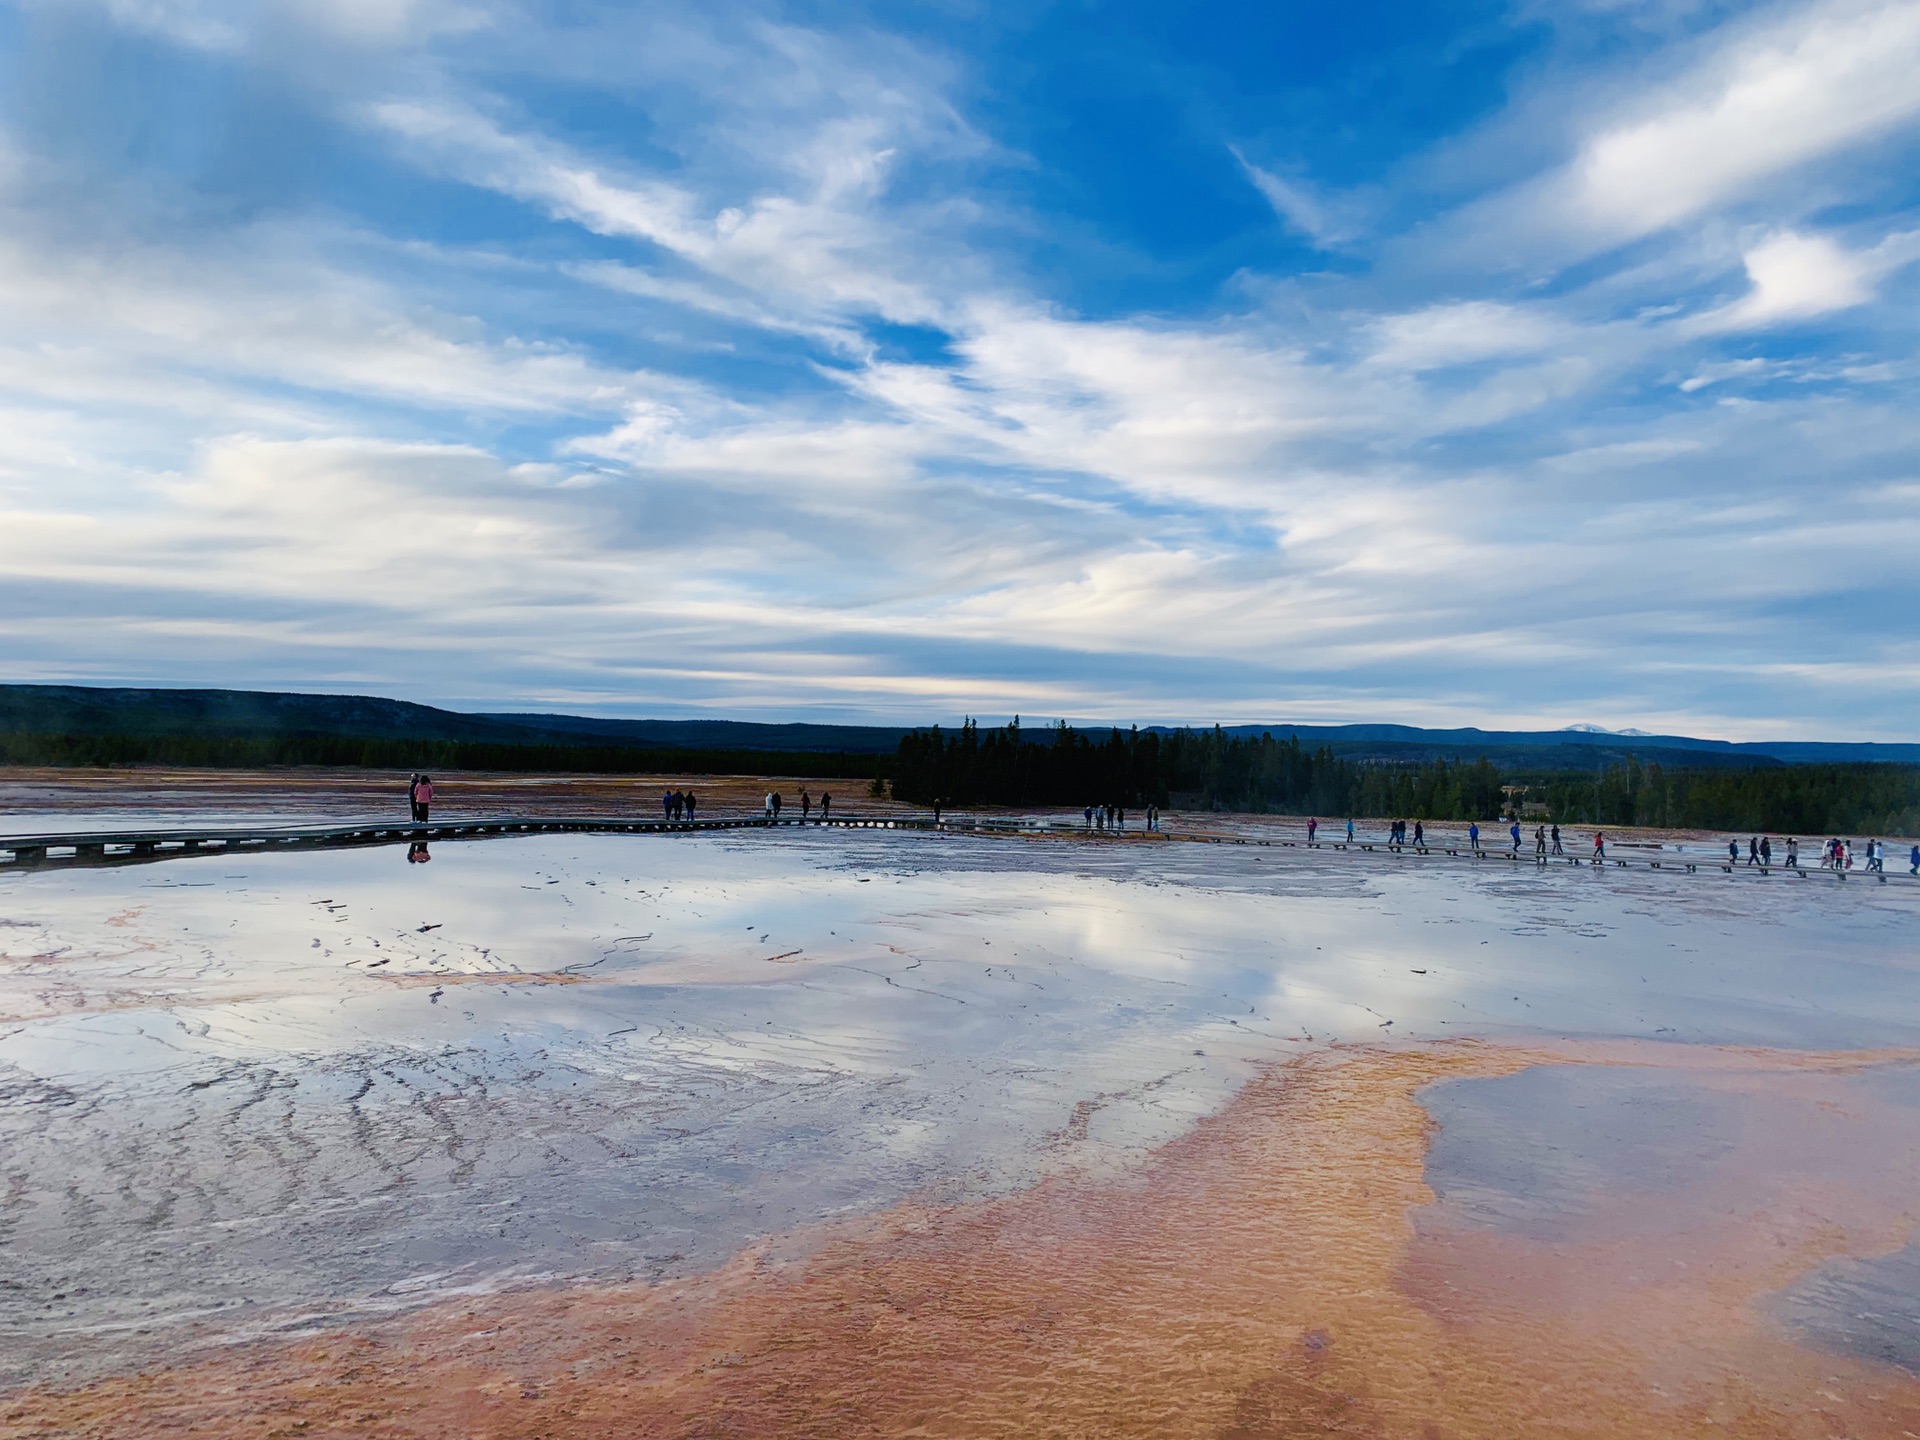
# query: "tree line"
[[1063, 766], [1210, 770]]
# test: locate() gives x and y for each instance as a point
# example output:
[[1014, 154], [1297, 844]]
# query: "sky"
[[1519, 364]]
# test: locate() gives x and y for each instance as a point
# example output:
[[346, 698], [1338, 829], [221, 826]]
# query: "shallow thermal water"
[[248, 1097]]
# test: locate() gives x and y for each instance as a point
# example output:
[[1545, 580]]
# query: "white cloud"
[[1463, 333], [823, 247], [1725, 370], [148, 324], [1830, 76], [1795, 276], [1295, 204], [229, 26]]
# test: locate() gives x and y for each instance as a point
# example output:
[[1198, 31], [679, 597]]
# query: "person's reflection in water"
[[417, 853]]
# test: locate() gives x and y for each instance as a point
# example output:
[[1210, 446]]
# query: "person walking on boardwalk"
[[1540, 843], [777, 802], [669, 803], [806, 806], [1419, 835], [1514, 831], [1913, 861], [423, 798], [413, 796], [1556, 841], [1753, 851], [1766, 852], [1733, 852], [826, 806], [1792, 862], [1313, 826], [1599, 848], [1349, 830], [936, 814], [1473, 836]]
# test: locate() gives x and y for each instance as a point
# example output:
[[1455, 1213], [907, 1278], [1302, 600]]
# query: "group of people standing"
[[420, 797], [775, 802], [679, 805], [1835, 854], [1114, 817]]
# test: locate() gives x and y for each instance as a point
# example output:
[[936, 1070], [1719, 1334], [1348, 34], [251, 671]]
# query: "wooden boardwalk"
[[135, 846]]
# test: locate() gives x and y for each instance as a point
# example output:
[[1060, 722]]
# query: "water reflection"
[[614, 1056]]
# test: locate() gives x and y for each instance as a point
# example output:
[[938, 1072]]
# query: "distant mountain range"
[[90, 710]]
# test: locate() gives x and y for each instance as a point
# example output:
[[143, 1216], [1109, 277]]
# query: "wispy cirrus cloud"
[[696, 361]]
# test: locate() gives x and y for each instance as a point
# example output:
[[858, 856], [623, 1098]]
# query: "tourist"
[[1793, 853], [1514, 831], [1913, 867], [1313, 827], [936, 814], [776, 807], [1349, 830], [1556, 841], [826, 807], [1419, 835], [806, 806], [1599, 848], [1733, 852], [1876, 857], [1540, 843], [669, 804], [1766, 851], [1753, 851], [422, 798], [1089, 814], [413, 796], [1473, 836]]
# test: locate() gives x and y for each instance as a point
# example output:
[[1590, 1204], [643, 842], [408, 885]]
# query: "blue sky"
[[1517, 364]]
